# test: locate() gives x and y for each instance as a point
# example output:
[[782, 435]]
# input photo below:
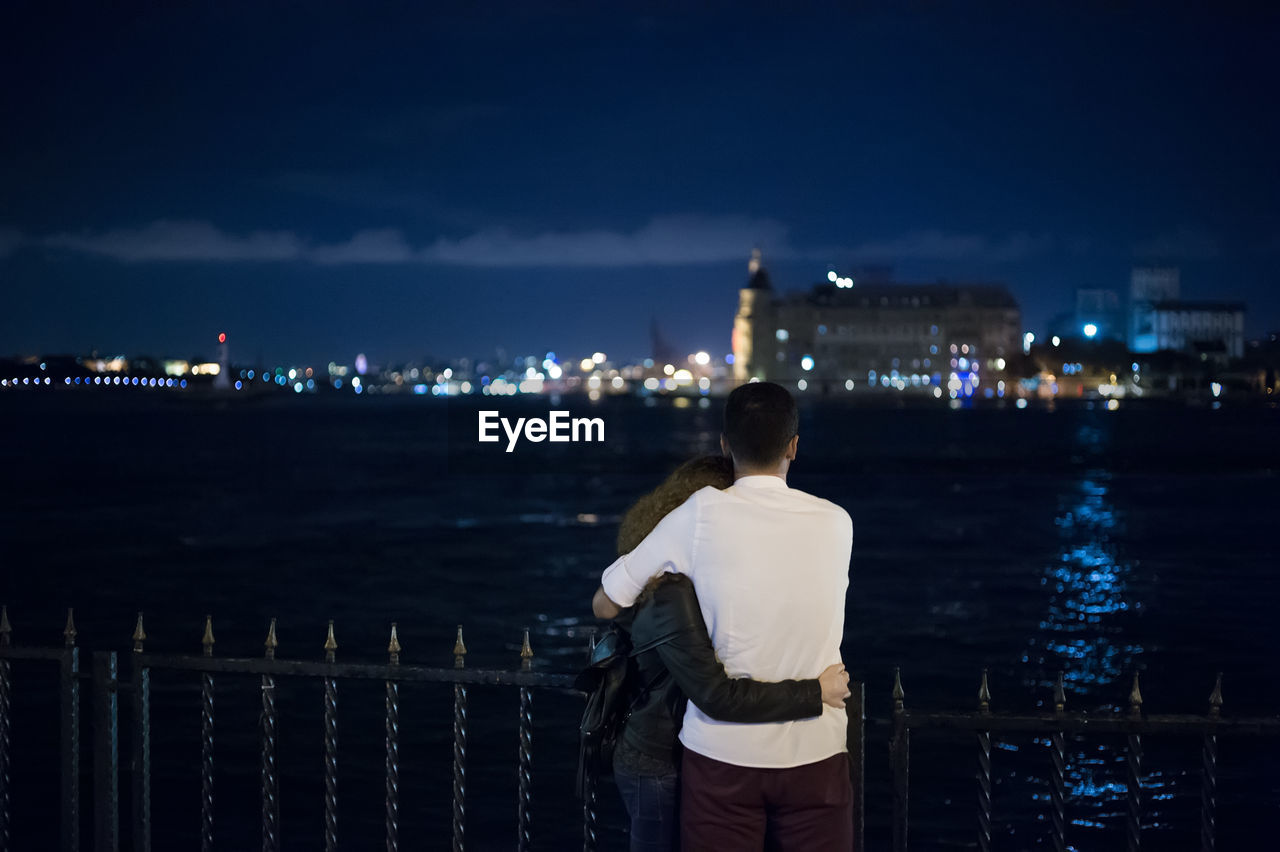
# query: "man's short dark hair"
[[760, 418]]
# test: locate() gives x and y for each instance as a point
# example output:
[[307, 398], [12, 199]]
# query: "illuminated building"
[[844, 334], [1211, 329], [1146, 287], [754, 325]]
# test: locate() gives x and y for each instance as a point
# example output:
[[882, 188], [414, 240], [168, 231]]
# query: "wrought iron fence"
[[1054, 727], [107, 686]]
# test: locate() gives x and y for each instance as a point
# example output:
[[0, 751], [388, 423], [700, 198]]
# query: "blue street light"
[[1090, 330]]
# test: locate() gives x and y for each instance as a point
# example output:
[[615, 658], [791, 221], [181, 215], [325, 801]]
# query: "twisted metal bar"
[[4, 753], [1133, 821], [524, 804], [206, 764], [589, 782], [1209, 783], [69, 689], [393, 766], [330, 764], [393, 747], [1058, 790], [589, 812], [1058, 777], [459, 766], [142, 759], [5, 631], [106, 751], [1208, 793], [270, 790], [525, 772], [984, 791], [984, 769], [899, 762]]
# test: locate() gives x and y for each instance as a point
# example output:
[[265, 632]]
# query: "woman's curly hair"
[[693, 475]]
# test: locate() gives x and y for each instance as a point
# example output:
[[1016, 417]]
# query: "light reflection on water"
[[1090, 602], [1088, 592]]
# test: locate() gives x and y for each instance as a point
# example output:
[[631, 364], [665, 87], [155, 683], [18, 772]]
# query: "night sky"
[[319, 180]]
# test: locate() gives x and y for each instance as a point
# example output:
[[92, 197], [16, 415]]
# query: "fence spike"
[[1215, 698], [526, 652], [1059, 696], [5, 629], [69, 632], [459, 650], [139, 636], [393, 648], [898, 694], [207, 641], [984, 695], [330, 644], [1135, 699], [271, 642]]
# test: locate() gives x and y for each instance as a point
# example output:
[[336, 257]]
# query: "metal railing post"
[[206, 744], [1209, 780], [1058, 777], [270, 790], [140, 763], [393, 748], [69, 721], [899, 761], [524, 771], [5, 630], [106, 754], [589, 783], [1133, 758], [459, 749], [330, 749], [984, 769]]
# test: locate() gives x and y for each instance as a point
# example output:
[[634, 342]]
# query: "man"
[[771, 568]]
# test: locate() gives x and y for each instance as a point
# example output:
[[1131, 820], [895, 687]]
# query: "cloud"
[[1183, 244], [681, 240], [167, 240], [374, 246], [664, 241], [933, 245], [10, 240]]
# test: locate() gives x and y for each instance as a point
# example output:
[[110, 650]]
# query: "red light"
[[222, 338]]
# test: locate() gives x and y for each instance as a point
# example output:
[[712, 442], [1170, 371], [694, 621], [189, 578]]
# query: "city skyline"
[[451, 182], [1063, 322]]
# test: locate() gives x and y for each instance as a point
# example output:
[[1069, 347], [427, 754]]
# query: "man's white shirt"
[[770, 565]]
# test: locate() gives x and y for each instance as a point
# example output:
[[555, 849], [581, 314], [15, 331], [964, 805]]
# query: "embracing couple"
[[736, 583]]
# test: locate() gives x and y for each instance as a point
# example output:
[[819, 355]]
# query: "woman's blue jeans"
[[651, 803]]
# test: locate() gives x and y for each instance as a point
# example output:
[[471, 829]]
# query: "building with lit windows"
[[944, 339], [1146, 287], [1212, 329]]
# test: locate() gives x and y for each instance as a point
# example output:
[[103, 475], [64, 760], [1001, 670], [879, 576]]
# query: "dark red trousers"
[[727, 808]]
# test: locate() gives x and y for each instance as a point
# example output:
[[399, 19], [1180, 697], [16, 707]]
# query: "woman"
[[683, 666]]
